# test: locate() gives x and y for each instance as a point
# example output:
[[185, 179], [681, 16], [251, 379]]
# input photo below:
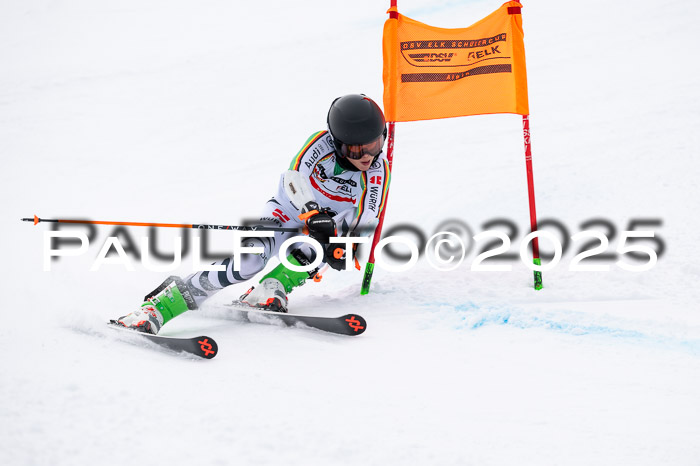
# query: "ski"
[[204, 347], [349, 324]]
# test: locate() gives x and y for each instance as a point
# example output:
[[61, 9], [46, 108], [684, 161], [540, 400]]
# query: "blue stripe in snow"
[[474, 317]]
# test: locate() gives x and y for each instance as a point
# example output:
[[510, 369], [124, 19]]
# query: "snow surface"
[[176, 111]]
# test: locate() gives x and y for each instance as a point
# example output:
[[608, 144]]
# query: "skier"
[[335, 186]]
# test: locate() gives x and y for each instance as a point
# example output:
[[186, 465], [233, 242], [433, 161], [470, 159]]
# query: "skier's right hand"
[[319, 223]]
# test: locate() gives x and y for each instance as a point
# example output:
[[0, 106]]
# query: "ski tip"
[[207, 347], [356, 324]]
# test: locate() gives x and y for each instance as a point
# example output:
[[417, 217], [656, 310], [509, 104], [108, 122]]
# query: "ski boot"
[[271, 294], [166, 302]]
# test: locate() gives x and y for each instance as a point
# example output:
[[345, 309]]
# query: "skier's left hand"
[[335, 256]]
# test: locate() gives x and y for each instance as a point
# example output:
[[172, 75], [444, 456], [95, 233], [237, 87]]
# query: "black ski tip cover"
[[356, 324], [207, 346]]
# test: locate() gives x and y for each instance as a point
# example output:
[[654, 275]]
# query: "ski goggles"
[[357, 151]]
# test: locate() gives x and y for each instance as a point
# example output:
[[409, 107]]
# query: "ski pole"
[[163, 225], [369, 268]]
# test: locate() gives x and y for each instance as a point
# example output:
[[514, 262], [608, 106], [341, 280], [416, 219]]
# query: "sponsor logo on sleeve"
[[316, 152], [373, 198], [277, 213]]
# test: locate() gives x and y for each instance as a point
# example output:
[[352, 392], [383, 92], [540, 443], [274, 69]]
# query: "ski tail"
[[349, 324]]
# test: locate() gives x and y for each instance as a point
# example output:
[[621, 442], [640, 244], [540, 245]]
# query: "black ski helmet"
[[355, 119]]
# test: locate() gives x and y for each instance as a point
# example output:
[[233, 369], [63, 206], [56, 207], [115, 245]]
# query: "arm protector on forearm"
[[298, 189]]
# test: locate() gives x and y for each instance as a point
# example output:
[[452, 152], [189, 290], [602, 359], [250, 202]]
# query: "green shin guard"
[[171, 298], [289, 278]]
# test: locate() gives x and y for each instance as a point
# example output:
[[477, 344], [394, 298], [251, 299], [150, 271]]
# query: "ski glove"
[[334, 256], [319, 223], [321, 227]]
